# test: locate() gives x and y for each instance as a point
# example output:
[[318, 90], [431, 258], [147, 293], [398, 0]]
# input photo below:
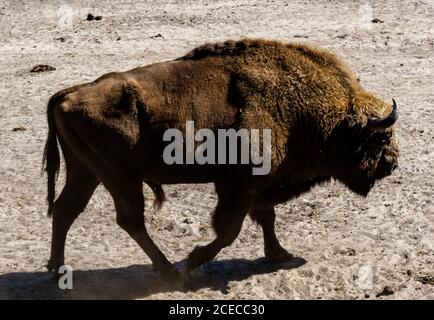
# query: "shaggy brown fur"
[[111, 132]]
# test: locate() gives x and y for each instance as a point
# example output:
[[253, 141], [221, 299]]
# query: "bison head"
[[366, 147]]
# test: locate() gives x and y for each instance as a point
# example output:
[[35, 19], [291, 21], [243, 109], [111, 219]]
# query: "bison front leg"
[[129, 203], [232, 207], [272, 248]]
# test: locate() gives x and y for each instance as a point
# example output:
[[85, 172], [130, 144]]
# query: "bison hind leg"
[[272, 248], [79, 187]]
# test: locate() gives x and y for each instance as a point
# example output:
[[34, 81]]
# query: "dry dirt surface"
[[379, 247]]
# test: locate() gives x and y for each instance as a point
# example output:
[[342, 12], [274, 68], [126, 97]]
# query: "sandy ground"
[[346, 246]]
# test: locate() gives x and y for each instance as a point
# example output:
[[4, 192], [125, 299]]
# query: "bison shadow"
[[134, 282]]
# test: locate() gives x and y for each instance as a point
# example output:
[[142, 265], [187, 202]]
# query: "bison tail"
[[51, 157], [159, 194]]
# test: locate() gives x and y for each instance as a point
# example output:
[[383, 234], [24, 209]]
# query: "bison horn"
[[385, 122]]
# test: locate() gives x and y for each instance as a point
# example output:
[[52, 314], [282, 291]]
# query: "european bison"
[[324, 126]]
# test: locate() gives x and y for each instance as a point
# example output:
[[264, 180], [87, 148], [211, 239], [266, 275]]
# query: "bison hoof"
[[54, 266], [278, 256], [195, 259]]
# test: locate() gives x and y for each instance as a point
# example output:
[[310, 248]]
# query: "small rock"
[[19, 128], [426, 279], [187, 221], [346, 251], [376, 20], [42, 68], [91, 17], [351, 252], [158, 35], [387, 291]]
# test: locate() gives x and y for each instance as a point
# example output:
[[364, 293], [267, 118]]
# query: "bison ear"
[[353, 123], [358, 136]]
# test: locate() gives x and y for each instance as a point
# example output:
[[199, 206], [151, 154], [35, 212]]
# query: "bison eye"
[[380, 139]]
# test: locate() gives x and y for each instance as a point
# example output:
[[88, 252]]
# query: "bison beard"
[[324, 125]]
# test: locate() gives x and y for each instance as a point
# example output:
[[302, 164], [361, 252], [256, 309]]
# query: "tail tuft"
[[159, 194], [51, 157]]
